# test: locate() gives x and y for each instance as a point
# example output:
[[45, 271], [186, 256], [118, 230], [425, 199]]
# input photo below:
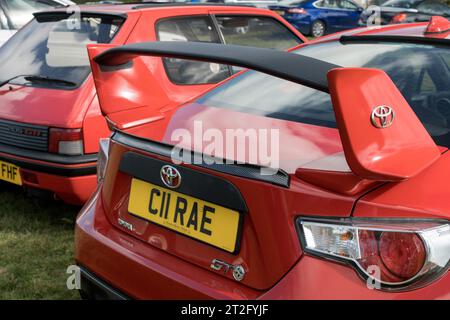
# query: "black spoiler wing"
[[289, 66]]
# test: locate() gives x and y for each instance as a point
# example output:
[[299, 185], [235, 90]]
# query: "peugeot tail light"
[[395, 254], [66, 141]]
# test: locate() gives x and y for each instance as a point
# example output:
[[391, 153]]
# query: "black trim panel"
[[48, 157], [43, 16], [300, 69], [183, 4], [393, 38], [92, 287], [247, 171], [196, 184], [59, 171]]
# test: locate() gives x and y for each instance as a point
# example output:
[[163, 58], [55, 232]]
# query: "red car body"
[[393, 176], [32, 111]]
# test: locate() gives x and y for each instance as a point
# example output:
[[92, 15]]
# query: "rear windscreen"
[[421, 73], [55, 48]]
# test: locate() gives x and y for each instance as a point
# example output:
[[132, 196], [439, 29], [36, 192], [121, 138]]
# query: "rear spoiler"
[[56, 15], [383, 139]]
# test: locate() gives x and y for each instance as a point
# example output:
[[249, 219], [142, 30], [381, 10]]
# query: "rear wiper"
[[36, 78], [10, 79]]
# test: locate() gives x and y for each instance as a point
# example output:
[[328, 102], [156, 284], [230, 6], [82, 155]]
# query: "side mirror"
[[382, 137]]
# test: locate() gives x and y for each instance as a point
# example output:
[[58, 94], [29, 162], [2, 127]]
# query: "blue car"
[[319, 17]]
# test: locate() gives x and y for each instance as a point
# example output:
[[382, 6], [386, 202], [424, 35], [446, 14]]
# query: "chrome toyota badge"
[[382, 117], [170, 176]]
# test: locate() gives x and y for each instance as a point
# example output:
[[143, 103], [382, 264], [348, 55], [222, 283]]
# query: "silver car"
[[16, 13]]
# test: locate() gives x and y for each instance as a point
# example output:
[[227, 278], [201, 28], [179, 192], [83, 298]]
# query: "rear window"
[[256, 32], [55, 47], [195, 29], [238, 30], [434, 7], [21, 11], [421, 72]]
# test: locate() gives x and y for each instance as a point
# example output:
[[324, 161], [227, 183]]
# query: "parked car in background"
[[14, 14], [404, 11], [50, 120], [356, 208], [319, 17]]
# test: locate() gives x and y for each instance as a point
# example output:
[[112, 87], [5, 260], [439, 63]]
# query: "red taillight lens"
[[399, 18], [393, 254], [297, 11], [403, 254], [399, 255], [66, 141]]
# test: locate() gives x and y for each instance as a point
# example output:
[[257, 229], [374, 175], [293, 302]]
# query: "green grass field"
[[36, 246]]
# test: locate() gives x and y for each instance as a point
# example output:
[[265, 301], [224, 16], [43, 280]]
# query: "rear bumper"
[[142, 272], [93, 288], [72, 179]]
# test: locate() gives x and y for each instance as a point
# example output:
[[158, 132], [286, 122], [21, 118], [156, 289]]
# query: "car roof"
[[407, 30]]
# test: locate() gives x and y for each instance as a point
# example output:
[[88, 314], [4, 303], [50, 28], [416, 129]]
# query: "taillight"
[[399, 18], [66, 141], [297, 11], [393, 253]]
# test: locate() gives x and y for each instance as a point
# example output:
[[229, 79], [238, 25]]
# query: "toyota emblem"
[[382, 117], [170, 176]]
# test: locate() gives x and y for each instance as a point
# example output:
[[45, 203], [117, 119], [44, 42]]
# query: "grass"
[[36, 246]]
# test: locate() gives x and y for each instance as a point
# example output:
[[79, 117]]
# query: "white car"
[[16, 13]]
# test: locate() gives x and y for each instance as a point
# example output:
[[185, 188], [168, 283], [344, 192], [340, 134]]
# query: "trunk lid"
[[49, 107], [266, 240]]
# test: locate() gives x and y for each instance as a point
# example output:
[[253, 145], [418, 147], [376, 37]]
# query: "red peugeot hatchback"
[[355, 207], [50, 120]]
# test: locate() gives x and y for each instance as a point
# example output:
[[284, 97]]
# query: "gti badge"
[[170, 177], [26, 131], [238, 270], [382, 117]]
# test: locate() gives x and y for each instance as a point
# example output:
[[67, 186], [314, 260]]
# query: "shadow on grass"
[[36, 246]]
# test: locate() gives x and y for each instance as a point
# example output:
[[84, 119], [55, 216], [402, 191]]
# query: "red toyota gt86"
[[349, 202]]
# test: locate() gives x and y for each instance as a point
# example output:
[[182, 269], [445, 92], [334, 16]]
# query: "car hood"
[[43, 106], [212, 131]]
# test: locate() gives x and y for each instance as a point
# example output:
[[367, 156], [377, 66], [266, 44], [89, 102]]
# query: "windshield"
[[55, 49], [291, 2], [421, 72]]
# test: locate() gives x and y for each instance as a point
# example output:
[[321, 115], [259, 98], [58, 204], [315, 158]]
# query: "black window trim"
[[394, 38]]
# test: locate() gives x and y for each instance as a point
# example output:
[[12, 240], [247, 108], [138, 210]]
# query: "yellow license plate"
[[10, 173], [195, 218]]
